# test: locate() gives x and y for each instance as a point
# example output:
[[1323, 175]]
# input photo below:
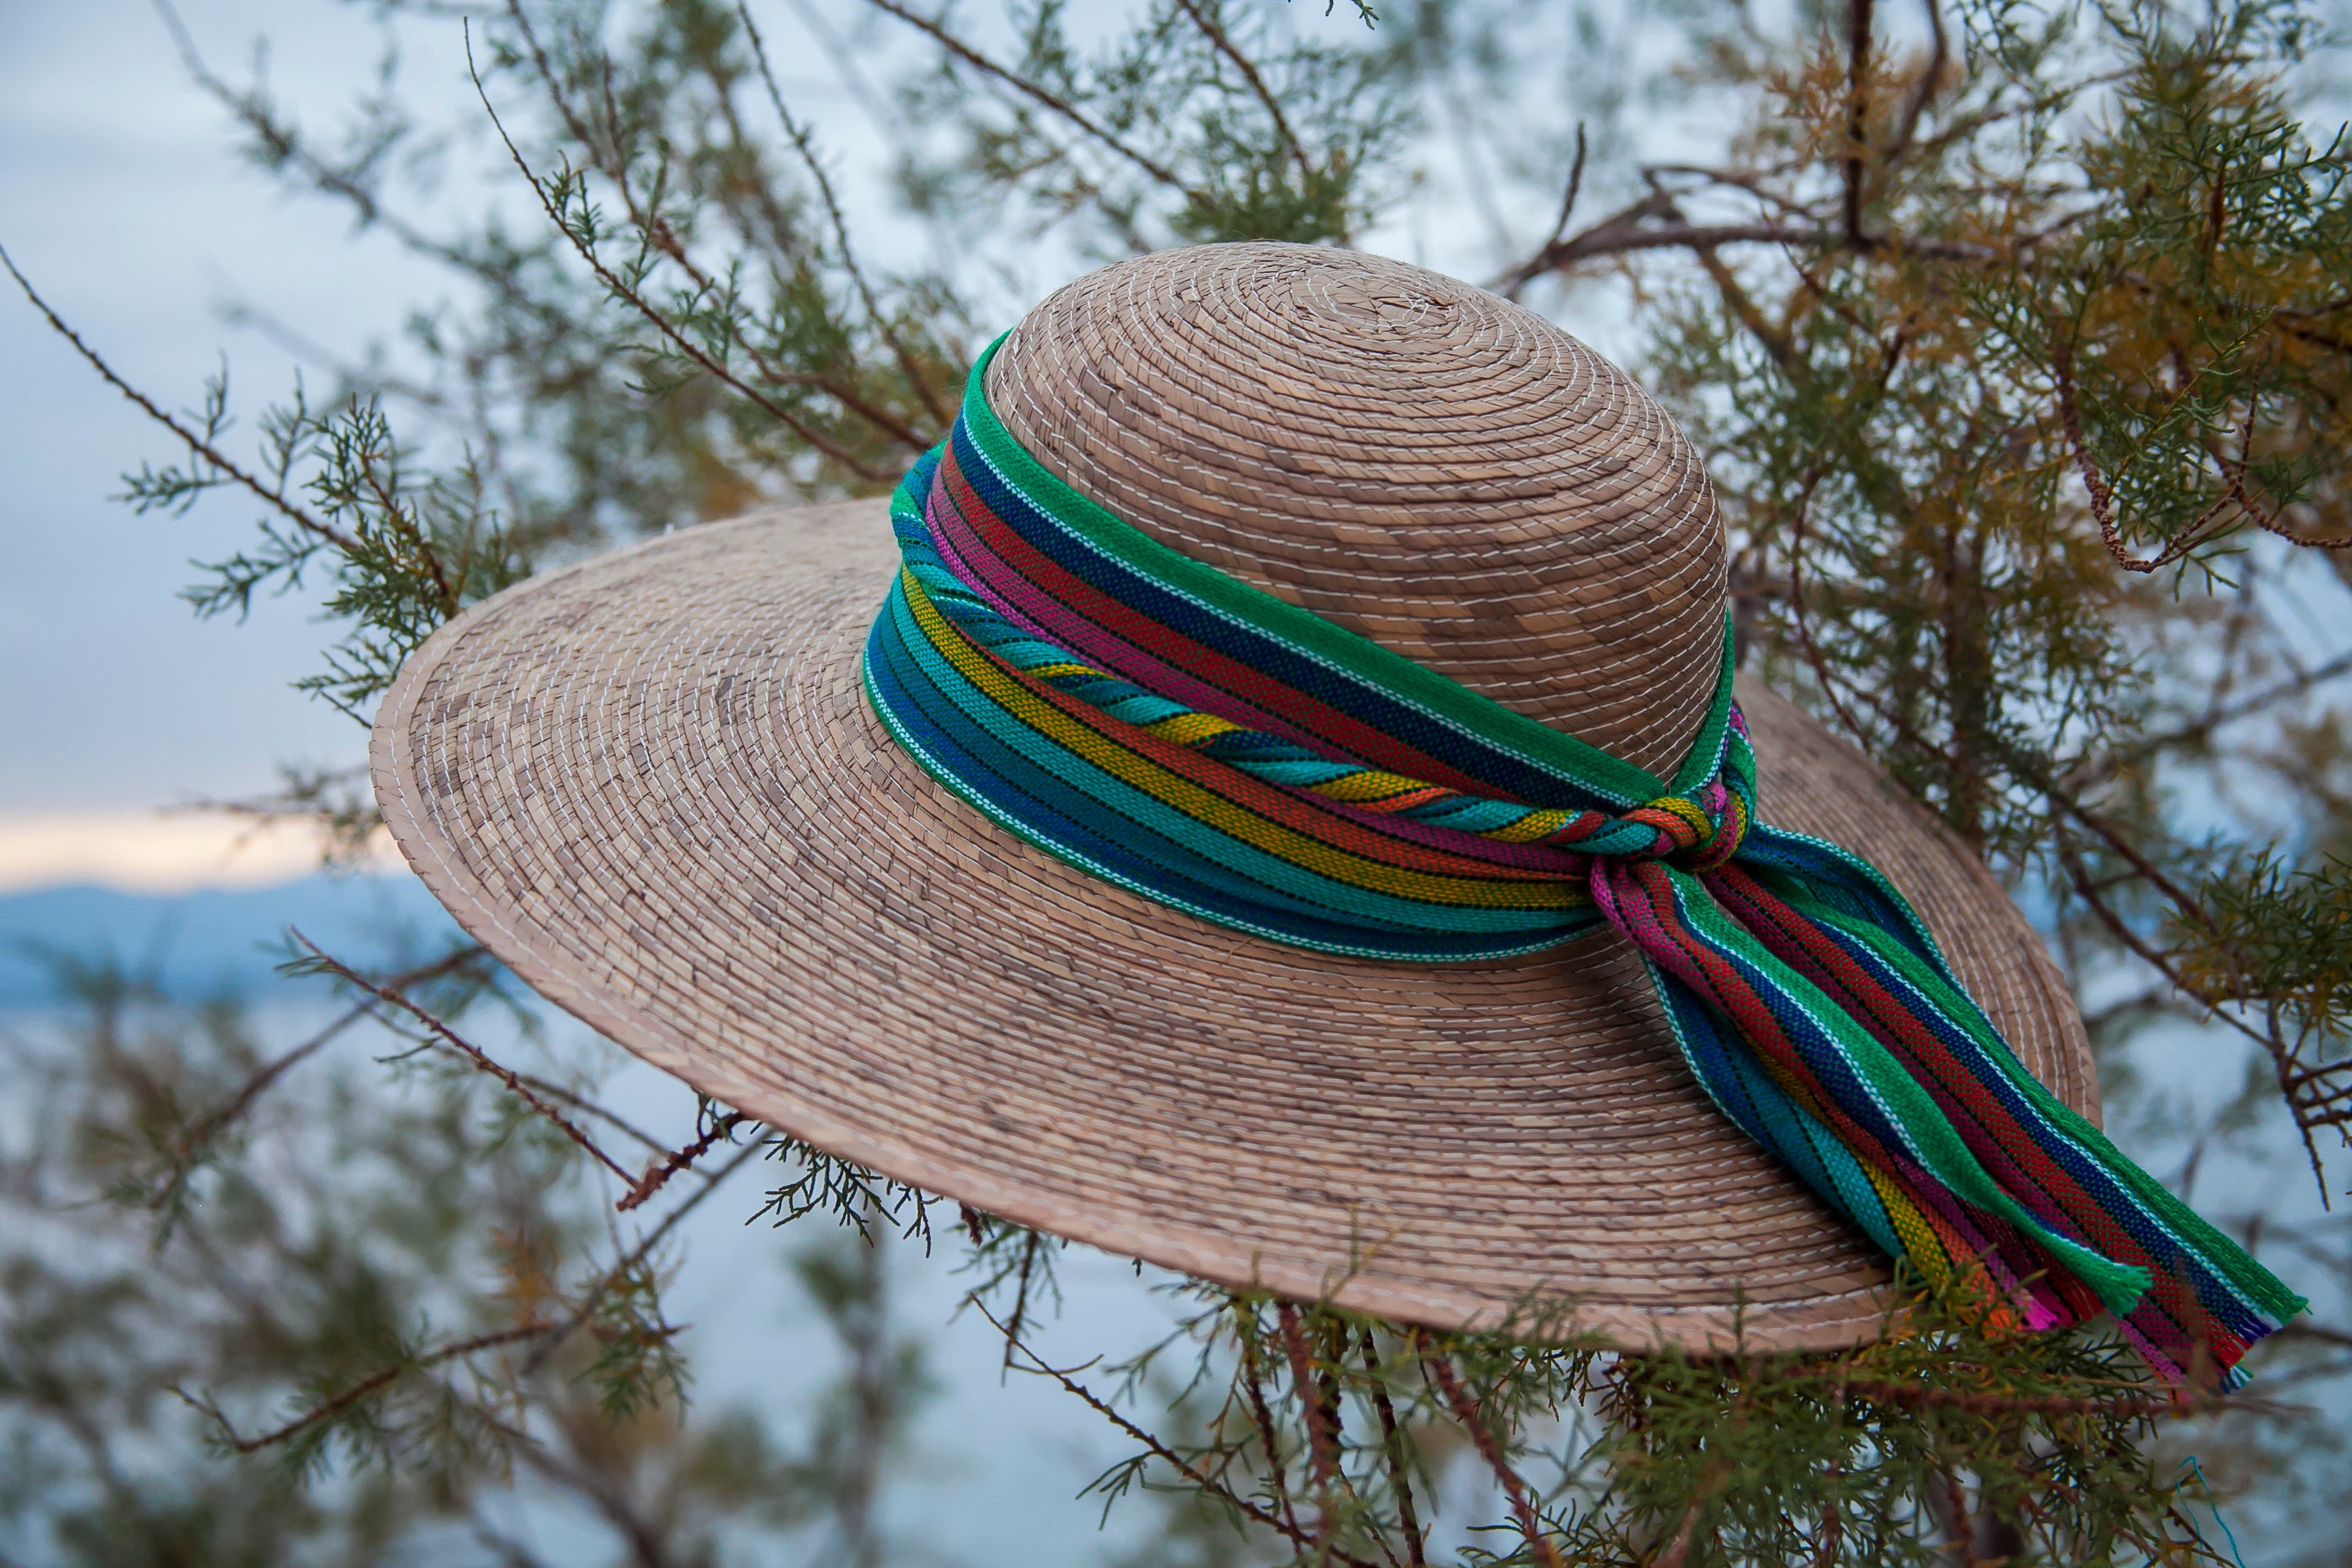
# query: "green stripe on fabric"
[[1441, 698], [1929, 1137]]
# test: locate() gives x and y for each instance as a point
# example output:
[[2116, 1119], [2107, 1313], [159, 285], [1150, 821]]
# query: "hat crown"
[[1411, 458]]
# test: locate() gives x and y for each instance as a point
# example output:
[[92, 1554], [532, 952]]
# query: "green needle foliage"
[[2019, 337]]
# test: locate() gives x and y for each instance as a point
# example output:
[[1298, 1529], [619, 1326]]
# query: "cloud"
[[156, 852]]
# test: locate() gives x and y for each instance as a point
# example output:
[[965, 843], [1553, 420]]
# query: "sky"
[[121, 199]]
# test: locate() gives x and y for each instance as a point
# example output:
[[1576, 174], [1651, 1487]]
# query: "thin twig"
[[1512, 283], [1030, 1244], [587, 1107], [375, 1382], [1242, 62], [1440, 1368], [276, 499], [660, 234], [470, 1051], [1030, 90], [1939, 53], [1392, 1448], [190, 1143], [1288, 1528], [655, 319], [658, 1176], [1254, 1382], [280, 143], [803, 145], [586, 1308]]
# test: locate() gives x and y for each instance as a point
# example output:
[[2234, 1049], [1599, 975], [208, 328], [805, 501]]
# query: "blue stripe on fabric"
[[1754, 1099], [1130, 841], [1792, 1000], [1997, 1071], [1323, 896], [1503, 771]]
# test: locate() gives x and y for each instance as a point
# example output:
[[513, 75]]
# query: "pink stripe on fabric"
[[1014, 597]]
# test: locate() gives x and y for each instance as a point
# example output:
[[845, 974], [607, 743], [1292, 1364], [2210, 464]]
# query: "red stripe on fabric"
[[1663, 937], [1804, 947], [1998, 1137], [1316, 818], [1250, 697]]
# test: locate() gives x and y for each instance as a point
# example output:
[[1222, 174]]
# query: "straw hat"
[[651, 784]]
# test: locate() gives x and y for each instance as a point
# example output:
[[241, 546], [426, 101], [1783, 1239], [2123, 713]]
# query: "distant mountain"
[[209, 941]]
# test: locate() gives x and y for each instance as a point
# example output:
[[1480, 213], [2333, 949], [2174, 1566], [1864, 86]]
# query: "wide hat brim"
[[651, 784]]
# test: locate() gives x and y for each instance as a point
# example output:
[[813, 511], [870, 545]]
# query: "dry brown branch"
[[1466, 1411], [2233, 505], [471, 1052], [1513, 282], [657, 1175], [1254, 1382], [1322, 1442], [1857, 118], [1392, 1450]]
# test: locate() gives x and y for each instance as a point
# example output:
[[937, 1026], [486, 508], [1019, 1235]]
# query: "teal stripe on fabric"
[[1274, 880], [1444, 700], [1927, 1134]]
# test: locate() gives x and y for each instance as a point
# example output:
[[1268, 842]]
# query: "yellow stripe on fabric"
[[1368, 785], [1191, 729], [1204, 805], [1919, 1237], [1688, 810], [1535, 825]]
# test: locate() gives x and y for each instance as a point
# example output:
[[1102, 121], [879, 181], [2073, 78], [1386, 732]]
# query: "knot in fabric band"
[[1184, 735]]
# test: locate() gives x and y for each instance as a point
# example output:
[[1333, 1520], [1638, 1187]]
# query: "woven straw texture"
[[1414, 458], [651, 784]]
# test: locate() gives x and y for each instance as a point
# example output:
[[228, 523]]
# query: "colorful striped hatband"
[[1189, 737]]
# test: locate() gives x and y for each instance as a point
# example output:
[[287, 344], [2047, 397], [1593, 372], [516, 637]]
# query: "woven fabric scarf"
[[1187, 736]]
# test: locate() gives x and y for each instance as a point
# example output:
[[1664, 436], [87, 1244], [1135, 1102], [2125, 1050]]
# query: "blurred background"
[[124, 191]]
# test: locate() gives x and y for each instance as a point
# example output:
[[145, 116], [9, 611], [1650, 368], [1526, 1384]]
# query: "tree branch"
[[1288, 1528], [1030, 89], [471, 1052], [661, 324], [1242, 62], [1466, 1411], [326, 533], [375, 1382]]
